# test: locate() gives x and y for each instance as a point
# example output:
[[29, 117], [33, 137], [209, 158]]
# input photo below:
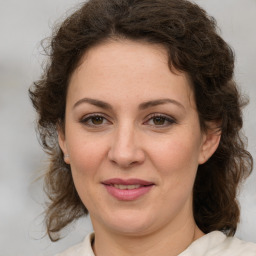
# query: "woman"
[[141, 116]]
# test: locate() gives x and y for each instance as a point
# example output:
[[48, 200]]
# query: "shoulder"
[[81, 249], [218, 244], [212, 244], [235, 246]]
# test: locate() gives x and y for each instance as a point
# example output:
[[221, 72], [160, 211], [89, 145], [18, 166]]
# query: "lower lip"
[[128, 194]]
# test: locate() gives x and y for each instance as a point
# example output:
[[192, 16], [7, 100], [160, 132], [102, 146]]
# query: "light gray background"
[[23, 23]]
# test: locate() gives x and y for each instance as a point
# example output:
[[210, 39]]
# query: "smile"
[[127, 190], [120, 186]]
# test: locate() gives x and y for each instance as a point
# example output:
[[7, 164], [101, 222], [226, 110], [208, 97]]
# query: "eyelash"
[[165, 118], [87, 120]]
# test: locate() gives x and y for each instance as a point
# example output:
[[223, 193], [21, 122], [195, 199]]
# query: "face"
[[133, 138]]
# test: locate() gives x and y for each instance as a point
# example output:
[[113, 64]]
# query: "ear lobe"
[[62, 144], [211, 140]]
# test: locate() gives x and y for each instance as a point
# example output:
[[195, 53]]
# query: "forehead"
[[124, 53], [130, 68]]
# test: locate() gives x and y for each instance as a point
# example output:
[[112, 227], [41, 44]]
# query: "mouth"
[[127, 190], [121, 186]]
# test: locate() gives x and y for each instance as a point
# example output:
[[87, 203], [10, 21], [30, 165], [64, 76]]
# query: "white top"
[[212, 244]]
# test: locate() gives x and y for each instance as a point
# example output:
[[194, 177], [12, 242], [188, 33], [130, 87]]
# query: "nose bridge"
[[125, 135], [125, 149]]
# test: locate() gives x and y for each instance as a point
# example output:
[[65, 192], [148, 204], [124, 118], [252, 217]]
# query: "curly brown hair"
[[194, 47]]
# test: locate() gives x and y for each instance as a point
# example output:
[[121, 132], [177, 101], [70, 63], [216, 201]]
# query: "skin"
[[127, 141]]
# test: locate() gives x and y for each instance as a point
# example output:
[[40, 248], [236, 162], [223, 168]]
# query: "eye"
[[160, 120], [94, 120]]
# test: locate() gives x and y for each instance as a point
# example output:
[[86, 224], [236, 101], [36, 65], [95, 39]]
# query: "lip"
[[127, 194], [127, 182]]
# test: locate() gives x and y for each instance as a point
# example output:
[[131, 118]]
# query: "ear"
[[63, 144], [210, 142]]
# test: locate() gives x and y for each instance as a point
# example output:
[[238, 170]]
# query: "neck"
[[161, 242]]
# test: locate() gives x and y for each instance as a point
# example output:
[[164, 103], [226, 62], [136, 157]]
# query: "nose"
[[126, 150]]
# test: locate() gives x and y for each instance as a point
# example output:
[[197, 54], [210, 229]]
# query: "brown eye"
[[97, 120], [94, 120], [159, 120]]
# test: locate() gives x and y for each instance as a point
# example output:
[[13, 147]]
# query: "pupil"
[[97, 120], [159, 120]]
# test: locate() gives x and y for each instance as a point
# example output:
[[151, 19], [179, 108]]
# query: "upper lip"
[[127, 182]]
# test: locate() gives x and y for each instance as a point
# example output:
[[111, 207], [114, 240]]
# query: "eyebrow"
[[153, 103], [97, 103], [142, 106]]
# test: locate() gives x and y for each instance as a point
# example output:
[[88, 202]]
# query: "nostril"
[[126, 155]]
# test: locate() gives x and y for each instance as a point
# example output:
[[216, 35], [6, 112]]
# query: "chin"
[[131, 223]]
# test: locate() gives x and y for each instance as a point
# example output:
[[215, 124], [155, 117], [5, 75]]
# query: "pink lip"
[[127, 194], [127, 182]]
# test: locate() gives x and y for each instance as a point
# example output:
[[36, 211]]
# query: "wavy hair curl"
[[195, 47]]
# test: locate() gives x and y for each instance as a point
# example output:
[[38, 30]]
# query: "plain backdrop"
[[23, 23]]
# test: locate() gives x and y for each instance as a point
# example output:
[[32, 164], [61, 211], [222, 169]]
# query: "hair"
[[194, 46]]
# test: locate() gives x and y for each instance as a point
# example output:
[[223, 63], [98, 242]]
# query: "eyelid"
[[106, 120], [168, 118], [84, 120]]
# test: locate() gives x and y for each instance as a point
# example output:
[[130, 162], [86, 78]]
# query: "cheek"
[[176, 153], [176, 160], [86, 159], [177, 166], [86, 155]]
